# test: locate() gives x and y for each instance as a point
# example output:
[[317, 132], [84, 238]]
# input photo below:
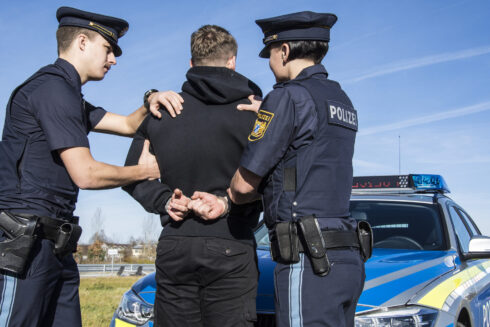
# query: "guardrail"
[[128, 268]]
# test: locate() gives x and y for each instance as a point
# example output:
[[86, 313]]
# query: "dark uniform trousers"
[[205, 281], [46, 296], [305, 299]]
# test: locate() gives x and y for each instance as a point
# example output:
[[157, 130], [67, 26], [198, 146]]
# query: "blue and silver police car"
[[430, 265]]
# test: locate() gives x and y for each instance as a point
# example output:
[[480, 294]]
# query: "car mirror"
[[479, 248]]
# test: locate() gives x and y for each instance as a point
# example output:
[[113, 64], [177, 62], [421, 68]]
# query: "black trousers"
[[205, 281]]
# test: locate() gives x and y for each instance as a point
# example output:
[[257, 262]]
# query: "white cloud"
[[479, 107], [420, 62]]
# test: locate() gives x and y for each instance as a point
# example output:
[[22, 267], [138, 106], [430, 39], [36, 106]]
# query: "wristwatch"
[[146, 96]]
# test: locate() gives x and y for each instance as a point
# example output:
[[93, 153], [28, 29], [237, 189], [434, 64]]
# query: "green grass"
[[100, 296]]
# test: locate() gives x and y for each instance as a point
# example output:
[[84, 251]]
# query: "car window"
[[460, 229], [469, 222], [402, 225], [397, 225]]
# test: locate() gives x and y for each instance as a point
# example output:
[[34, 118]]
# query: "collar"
[[310, 71], [72, 75], [306, 73]]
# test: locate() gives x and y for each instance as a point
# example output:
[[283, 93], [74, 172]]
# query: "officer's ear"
[[285, 50], [81, 41], [191, 63]]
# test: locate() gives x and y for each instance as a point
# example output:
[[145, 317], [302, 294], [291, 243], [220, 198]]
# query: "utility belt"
[[304, 235], [21, 231]]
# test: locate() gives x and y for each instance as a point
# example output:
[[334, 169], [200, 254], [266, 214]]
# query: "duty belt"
[[336, 239], [20, 232]]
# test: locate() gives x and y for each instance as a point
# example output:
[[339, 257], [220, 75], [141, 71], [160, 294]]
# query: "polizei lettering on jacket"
[[342, 115]]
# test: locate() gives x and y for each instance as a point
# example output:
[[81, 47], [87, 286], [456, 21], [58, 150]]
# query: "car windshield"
[[396, 225]]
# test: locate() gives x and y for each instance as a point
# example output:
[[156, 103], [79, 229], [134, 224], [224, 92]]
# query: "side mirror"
[[479, 248]]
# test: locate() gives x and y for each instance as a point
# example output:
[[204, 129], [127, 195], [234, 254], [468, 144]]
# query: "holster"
[[20, 235], [285, 243], [314, 245], [66, 241], [365, 235]]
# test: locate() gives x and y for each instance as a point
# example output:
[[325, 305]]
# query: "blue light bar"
[[413, 183], [429, 182]]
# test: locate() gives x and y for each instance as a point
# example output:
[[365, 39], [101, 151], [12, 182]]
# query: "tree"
[[150, 233]]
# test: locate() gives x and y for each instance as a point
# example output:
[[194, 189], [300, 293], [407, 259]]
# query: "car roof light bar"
[[413, 183]]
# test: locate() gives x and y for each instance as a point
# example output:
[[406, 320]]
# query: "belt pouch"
[[284, 245], [314, 245], [66, 242], [365, 235], [19, 238]]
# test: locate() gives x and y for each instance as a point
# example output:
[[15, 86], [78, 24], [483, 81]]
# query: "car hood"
[[393, 276]]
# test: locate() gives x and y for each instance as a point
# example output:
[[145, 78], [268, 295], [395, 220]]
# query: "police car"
[[429, 265]]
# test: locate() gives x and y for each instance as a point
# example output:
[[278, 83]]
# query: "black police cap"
[[111, 28], [304, 25]]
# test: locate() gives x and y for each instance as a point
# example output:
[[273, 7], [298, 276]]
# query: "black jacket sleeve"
[[152, 195]]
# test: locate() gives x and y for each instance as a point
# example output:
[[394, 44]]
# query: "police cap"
[[304, 25], [111, 28]]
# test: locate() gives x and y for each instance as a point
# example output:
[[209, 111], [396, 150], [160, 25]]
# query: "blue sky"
[[418, 70]]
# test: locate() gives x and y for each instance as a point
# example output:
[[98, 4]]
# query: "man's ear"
[[231, 63], [190, 63], [81, 42]]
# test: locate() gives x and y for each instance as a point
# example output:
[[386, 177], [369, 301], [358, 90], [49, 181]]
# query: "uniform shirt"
[[286, 126], [287, 120], [49, 112]]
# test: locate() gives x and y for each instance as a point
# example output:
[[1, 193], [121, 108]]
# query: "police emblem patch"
[[264, 118]]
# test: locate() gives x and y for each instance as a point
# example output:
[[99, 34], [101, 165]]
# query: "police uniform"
[[45, 114], [302, 147]]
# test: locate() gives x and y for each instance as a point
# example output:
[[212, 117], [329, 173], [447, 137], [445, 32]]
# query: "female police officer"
[[299, 156]]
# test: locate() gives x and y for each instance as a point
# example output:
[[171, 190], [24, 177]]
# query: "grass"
[[100, 296]]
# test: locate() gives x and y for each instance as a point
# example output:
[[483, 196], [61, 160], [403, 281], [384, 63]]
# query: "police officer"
[[299, 156], [45, 159]]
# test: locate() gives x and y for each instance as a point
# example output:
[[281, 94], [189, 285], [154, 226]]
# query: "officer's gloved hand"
[[208, 206]]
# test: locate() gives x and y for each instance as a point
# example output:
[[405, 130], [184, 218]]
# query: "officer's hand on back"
[[149, 161], [171, 100], [255, 102]]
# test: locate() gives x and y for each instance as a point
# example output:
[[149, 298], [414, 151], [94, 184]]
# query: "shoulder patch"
[[264, 118], [342, 115]]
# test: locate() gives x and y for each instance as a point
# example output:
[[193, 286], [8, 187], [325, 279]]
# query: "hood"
[[393, 277], [218, 85]]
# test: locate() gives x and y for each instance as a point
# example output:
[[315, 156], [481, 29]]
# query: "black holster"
[[285, 243], [365, 235], [19, 237], [314, 245], [66, 241]]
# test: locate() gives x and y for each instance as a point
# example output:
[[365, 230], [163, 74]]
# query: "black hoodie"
[[200, 150]]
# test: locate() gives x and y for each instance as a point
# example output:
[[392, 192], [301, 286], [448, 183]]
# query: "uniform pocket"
[[225, 247]]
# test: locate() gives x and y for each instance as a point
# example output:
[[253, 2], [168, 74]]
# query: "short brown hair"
[[212, 44], [66, 34]]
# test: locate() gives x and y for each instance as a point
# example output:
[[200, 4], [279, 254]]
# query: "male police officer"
[[45, 158], [300, 153], [206, 270]]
